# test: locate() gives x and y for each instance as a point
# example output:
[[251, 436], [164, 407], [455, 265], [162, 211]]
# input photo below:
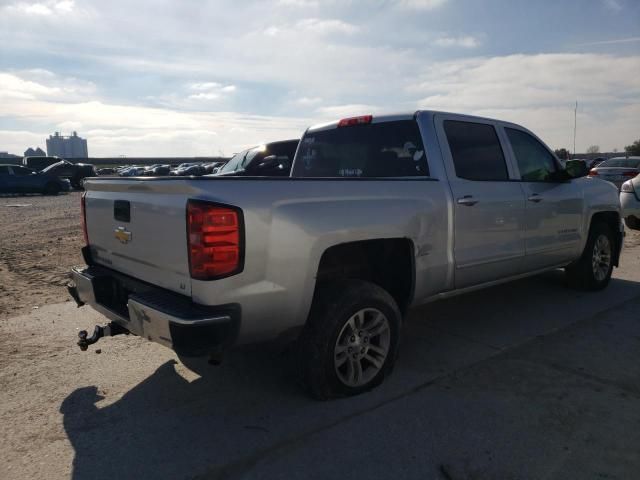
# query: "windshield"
[[387, 149], [52, 167], [621, 163], [235, 163]]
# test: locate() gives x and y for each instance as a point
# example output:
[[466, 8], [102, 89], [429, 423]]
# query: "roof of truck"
[[389, 117]]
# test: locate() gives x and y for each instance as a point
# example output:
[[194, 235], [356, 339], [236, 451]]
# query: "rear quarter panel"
[[289, 224]]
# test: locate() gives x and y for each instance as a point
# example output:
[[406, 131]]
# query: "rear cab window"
[[367, 150]]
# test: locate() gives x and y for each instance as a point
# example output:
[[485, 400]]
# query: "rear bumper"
[[156, 314]]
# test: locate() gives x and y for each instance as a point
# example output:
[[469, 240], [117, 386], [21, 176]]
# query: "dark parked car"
[[212, 167], [75, 172], [107, 171], [19, 179], [157, 170], [617, 170], [195, 170], [269, 160], [39, 163]]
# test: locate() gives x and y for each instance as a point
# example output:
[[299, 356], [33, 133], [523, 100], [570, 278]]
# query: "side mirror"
[[576, 168]]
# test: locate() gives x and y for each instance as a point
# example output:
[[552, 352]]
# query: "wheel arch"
[[613, 220], [388, 263]]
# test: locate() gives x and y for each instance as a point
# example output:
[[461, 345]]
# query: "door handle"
[[535, 198], [467, 200]]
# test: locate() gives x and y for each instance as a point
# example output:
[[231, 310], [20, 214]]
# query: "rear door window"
[[386, 149], [476, 151]]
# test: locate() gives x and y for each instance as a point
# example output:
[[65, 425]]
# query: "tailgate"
[[139, 228]]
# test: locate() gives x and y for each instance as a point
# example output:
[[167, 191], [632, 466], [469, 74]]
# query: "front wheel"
[[350, 342], [593, 270]]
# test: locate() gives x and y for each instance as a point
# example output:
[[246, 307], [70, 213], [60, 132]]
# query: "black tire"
[[582, 274], [632, 222], [51, 188], [334, 306]]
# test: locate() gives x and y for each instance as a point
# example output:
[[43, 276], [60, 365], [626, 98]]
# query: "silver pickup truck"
[[380, 214]]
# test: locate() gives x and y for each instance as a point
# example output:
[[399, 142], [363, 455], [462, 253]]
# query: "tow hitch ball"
[[107, 331]]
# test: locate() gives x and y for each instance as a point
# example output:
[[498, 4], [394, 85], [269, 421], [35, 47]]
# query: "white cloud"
[[323, 27], [206, 91], [113, 129], [299, 3], [422, 4], [464, 41], [339, 111], [610, 42], [308, 101], [44, 8], [612, 5], [539, 91]]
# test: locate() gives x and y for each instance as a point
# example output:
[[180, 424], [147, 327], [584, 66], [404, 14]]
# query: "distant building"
[[37, 152], [67, 147]]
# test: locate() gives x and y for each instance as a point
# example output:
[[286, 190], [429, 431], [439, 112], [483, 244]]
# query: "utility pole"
[[575, 124]]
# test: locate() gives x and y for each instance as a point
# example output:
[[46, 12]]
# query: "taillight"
[[593, 173], [629, 174], [215, 240], [362, 120], [83, 210]]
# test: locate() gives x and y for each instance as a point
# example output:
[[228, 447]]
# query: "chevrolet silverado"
[[379, 214]]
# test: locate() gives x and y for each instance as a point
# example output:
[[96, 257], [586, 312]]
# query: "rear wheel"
[[350, 342], [632, 222], [593, 270], [51, 188]]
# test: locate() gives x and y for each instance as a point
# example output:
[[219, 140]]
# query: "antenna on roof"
[[575, 124]]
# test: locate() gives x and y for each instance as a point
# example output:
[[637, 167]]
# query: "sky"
[[207, 78]]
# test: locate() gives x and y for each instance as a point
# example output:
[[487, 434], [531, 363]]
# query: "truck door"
[[554, 206], [488, 206]]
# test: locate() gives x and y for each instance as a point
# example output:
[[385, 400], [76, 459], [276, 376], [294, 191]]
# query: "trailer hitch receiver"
[[108, 330]]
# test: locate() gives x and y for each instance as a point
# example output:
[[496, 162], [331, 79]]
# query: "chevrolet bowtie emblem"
[[122, 234]]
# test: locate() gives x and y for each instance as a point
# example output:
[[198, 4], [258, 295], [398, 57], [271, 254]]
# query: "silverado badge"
[[122, 234]]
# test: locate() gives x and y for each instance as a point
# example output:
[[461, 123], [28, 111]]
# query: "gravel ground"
[[486, 386], [40, 240]]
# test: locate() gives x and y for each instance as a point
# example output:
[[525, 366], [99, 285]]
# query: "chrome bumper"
[[156, 314]]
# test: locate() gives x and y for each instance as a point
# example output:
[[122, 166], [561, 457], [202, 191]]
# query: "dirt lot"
[[486, 386], [41, 238]]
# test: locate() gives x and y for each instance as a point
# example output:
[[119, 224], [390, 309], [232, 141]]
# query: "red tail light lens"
[[83, 210], [593, 173], [629, 174], [362, 120], [215, 237]]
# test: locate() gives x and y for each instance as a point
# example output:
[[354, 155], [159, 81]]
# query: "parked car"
[[212, 167], [270, 160], [157, 170], [380, 214], [630, 202], [617, 170], [133, 171], [596, 161], [19, 179], [182, 169], [40, 163], [107, 171], [75, 172]]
